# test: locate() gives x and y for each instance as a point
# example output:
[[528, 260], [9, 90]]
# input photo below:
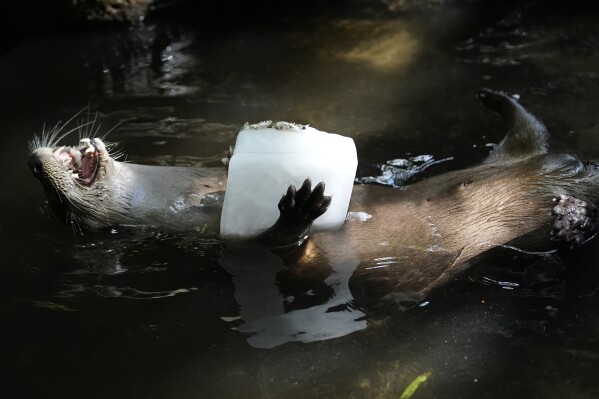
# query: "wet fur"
[[431, 231], [124, 194], [424, 235], [419, 237]]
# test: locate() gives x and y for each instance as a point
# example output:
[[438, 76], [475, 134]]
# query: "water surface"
[[141, 314]]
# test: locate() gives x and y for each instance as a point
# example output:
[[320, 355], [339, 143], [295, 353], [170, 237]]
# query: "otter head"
[[73, 178]]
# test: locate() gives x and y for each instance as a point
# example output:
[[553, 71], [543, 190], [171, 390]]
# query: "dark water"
[[144, 314]]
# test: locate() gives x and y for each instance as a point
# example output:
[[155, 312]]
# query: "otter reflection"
[[256, 273]]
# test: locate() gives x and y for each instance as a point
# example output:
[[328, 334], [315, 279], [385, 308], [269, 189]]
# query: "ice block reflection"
[[261, 299]]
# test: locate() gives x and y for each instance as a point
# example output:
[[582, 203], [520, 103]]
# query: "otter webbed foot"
[[576, 220], [298, 210]]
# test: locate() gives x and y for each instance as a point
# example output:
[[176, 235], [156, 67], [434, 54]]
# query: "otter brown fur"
[[91, 190], [426, 234], [423, 235], [417, 238]]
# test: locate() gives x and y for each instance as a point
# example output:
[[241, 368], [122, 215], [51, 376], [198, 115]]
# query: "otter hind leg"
[[526, 135], [576, 221], [298, 210]]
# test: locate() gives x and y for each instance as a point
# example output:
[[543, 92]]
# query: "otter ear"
[[526, 135]]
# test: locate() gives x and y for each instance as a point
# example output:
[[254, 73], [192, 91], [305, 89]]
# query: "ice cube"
[[268, 158]]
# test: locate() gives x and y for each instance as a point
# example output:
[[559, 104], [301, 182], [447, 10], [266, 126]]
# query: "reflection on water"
[[151, 61], [397, 76], [531, 275], [129, 264], [132, 293], [255, 269], [386, 46], [510, 42]]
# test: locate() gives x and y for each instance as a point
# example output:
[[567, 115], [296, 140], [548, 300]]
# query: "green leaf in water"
[[414, 385], [51, 305]]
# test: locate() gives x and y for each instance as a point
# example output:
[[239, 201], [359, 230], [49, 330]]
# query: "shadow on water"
[[148, 314]]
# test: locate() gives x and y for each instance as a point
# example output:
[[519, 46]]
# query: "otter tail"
[[526, 135]]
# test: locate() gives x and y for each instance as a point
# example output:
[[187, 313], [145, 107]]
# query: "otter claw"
[[298, 209], [305, 205], [576, 220], [288, 199]]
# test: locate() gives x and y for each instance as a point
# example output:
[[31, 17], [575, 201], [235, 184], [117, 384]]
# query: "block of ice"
[[268, 158]]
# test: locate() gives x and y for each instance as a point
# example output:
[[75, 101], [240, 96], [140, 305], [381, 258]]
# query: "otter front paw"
[[301, 207], [576, 220], [298, 209]]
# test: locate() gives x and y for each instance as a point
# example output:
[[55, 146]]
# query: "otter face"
[[72, 177]]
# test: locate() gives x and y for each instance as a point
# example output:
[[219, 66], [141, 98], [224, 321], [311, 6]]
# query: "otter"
[[413, 239]]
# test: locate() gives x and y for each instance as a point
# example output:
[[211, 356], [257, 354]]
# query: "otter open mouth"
[[83, 161]]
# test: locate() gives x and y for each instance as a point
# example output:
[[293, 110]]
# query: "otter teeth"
[[76, 154]]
